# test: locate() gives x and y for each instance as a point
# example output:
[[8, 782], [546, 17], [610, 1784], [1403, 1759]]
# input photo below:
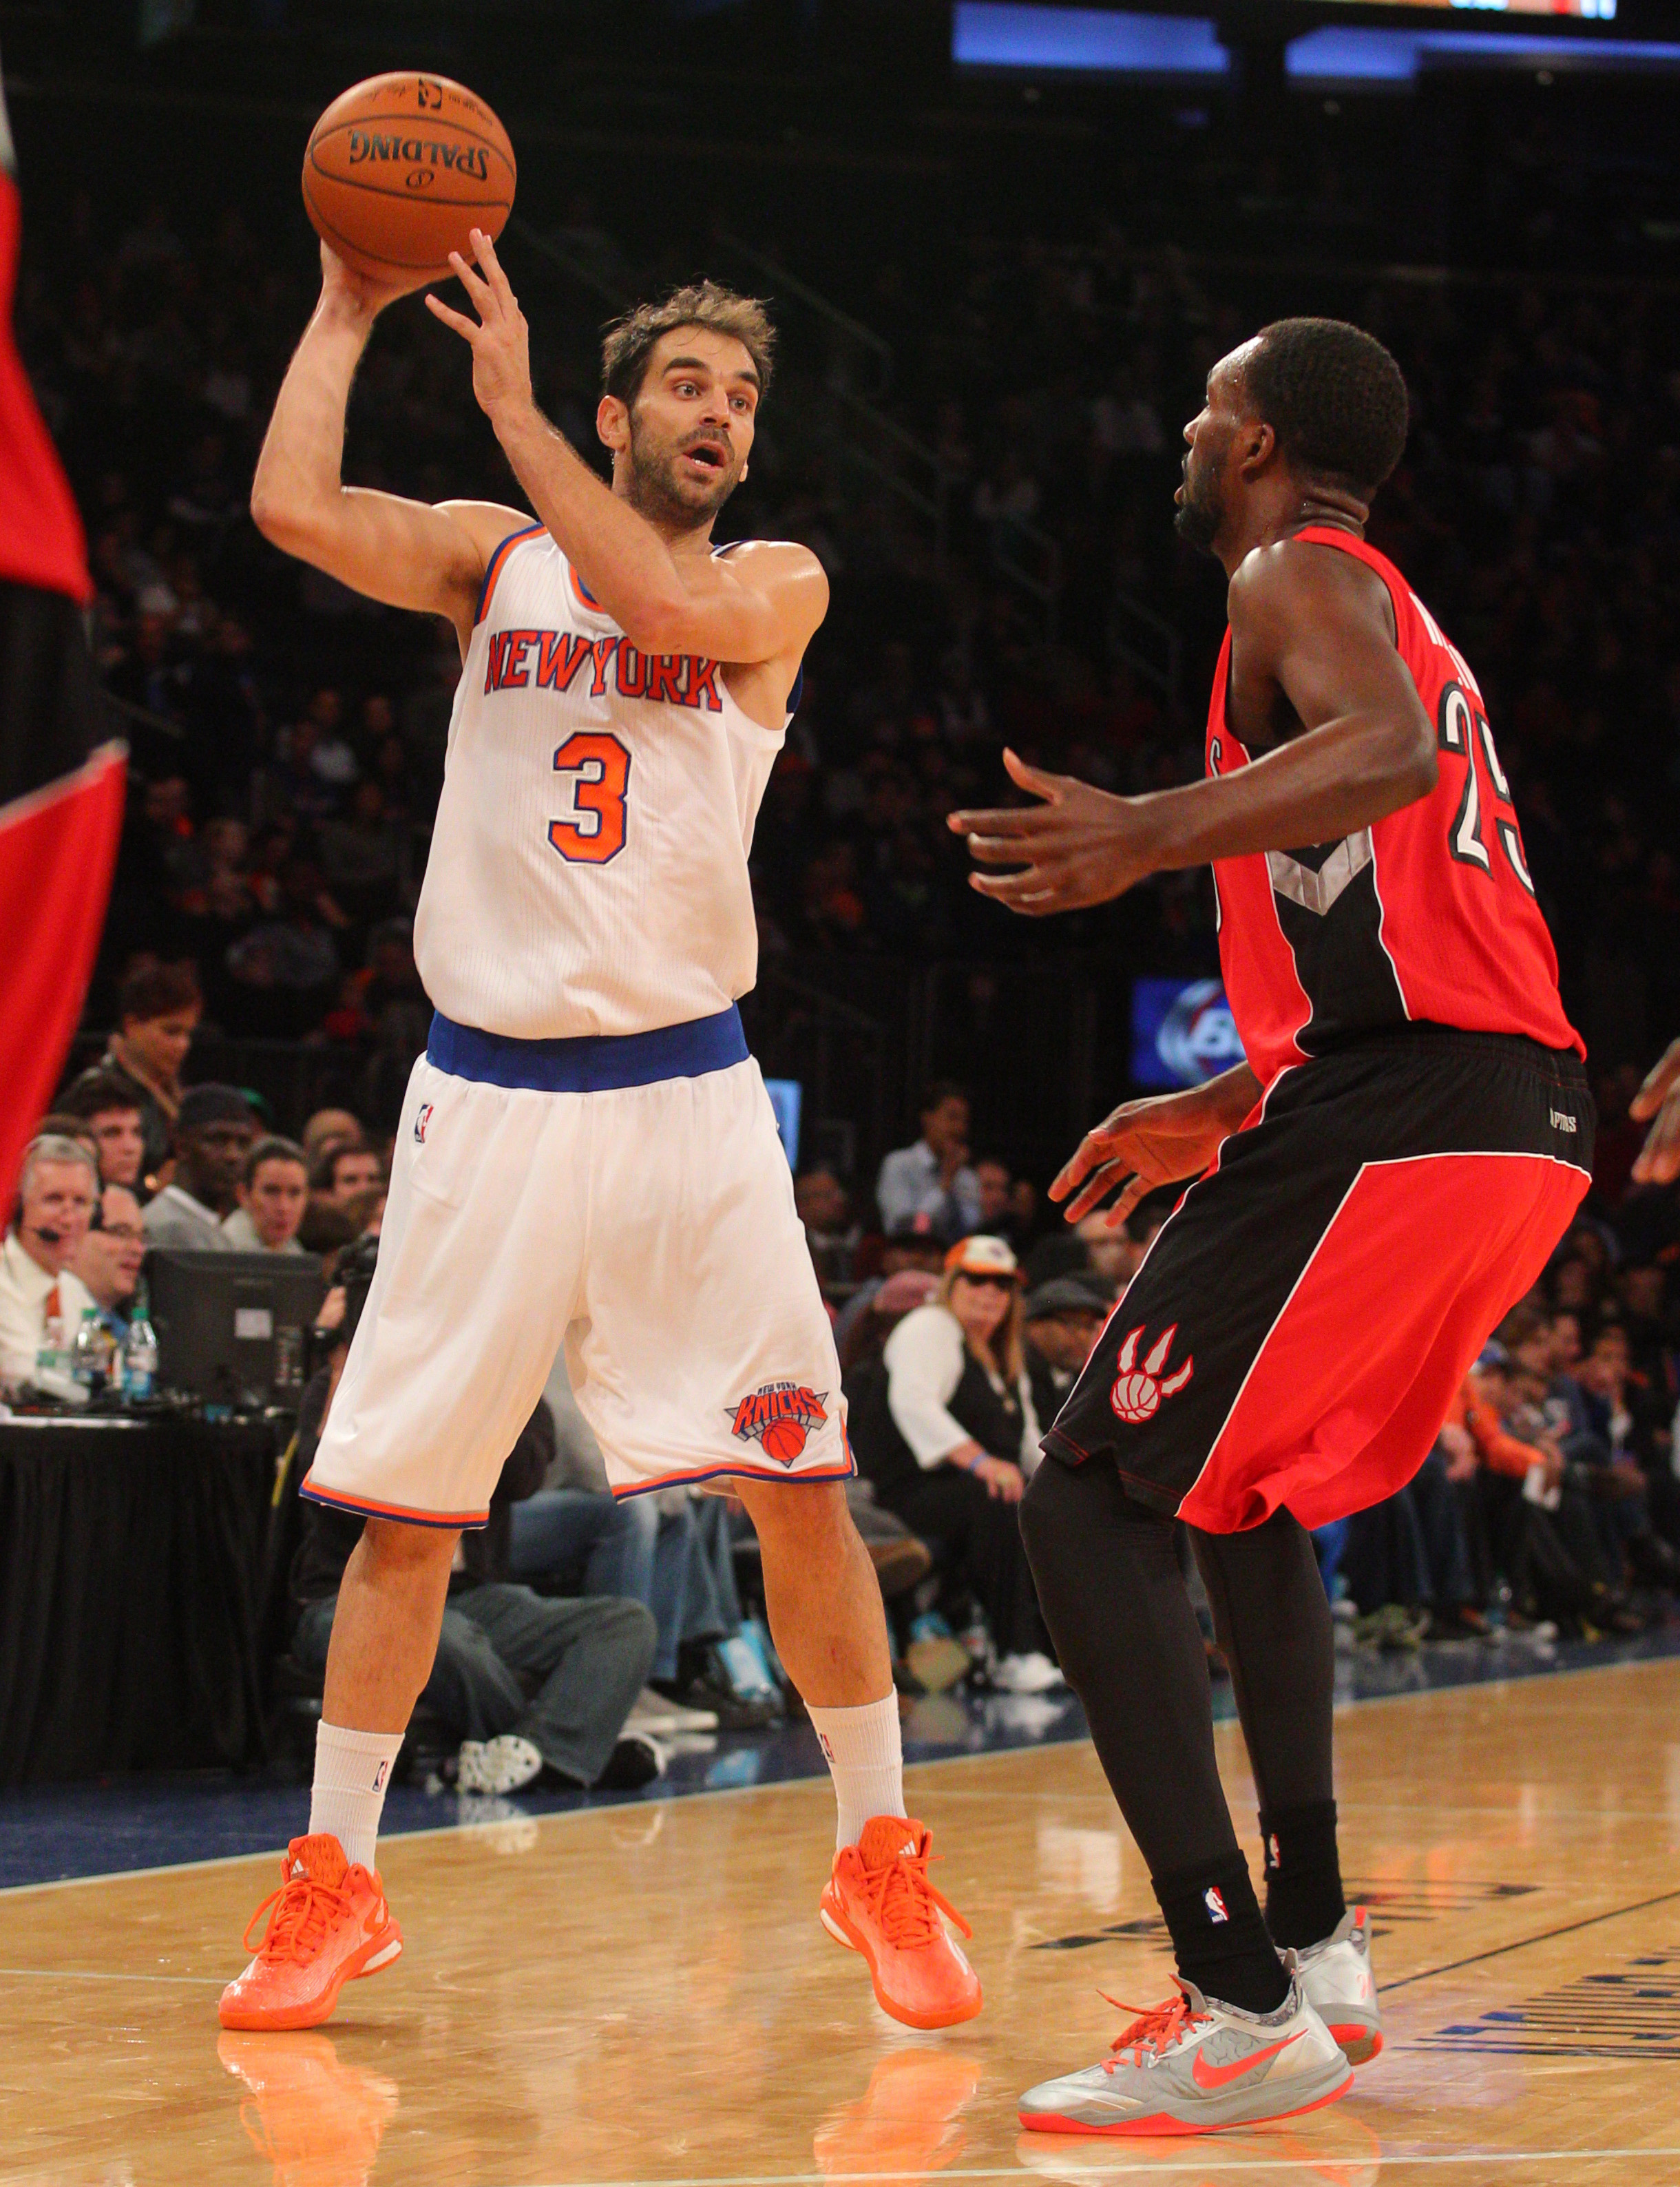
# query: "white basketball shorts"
[[627, 1194]]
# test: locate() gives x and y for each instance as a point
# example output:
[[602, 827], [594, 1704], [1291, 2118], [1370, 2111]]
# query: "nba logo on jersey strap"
[[422, 1119], [1138, 1391], [779, 1415], [1214, 1904]]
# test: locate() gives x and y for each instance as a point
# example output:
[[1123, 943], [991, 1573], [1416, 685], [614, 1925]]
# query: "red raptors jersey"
[[1428, 916], [41, 541]]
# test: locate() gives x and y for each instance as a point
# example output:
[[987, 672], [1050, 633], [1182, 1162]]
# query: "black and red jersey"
[[40, 537], [1425, 917]]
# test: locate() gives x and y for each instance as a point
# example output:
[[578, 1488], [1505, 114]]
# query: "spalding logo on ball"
[[780, 1416], [400, 169], [1137, 1390]]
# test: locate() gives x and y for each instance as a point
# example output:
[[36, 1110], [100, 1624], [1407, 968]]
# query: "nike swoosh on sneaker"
[[1215, 2077]]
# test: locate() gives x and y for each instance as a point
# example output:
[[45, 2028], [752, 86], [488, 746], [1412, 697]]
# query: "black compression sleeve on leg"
[[1128, 1642], [1130, 1647], [1304, 1900], [1274, 1622]]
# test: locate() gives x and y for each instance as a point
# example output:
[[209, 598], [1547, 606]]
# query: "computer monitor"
[[231, 1327]]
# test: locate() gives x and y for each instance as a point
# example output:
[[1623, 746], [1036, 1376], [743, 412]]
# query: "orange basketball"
[[784, 1440], [399, 168]]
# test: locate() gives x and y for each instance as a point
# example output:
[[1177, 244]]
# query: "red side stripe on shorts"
[[369, 1508], [727, 1473]]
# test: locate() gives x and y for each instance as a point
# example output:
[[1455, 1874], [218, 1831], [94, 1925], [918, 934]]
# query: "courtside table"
[[130, 1568]]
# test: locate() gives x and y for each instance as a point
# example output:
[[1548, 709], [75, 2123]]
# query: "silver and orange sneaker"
[[1341, 1988], [1194, 2066]]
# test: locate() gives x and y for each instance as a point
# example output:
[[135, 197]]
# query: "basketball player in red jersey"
[[61, 768], [1379, 1182]]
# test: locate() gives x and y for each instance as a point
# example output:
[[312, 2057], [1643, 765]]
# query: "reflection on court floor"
[[642, 1993]]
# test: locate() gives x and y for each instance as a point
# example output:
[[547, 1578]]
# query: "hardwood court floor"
[[644, 1993]]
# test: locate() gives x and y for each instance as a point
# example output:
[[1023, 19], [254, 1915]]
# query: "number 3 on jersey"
[[593, 831]]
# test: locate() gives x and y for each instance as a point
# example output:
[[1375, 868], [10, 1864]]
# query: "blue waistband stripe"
[[591, 1063]]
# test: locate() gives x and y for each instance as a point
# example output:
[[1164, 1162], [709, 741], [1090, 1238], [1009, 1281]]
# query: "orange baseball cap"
[[981, 1256]]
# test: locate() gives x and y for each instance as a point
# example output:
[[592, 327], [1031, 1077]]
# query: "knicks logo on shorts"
[[779, 1415], [1137, 1390], [423, 1118]]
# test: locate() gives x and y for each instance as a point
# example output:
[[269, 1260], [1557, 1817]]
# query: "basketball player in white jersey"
[[585, 1152]]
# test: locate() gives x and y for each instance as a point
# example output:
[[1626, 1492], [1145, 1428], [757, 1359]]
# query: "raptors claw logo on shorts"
[[780, 1415], [1138, 1391]]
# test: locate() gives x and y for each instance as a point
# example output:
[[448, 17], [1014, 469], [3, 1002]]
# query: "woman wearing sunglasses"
[[948, 1436]]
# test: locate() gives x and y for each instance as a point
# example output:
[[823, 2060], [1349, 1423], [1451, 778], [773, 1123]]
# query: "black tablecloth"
[[130, 1569]]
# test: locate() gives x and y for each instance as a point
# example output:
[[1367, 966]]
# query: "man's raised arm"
[[762, 602], [404, 552]]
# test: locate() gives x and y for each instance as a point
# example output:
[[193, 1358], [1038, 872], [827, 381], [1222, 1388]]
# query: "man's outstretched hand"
[[1080, 846], [499, 337], [1658, 1104], [1162, 1140]]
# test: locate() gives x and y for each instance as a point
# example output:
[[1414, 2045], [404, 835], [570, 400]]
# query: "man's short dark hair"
[[630, 340], [1333, 396], [273, 1149], [151, 990], [97, 1092]]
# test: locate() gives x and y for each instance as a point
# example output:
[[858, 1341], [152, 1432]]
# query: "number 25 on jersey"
[[1462, 727], [593, 831]]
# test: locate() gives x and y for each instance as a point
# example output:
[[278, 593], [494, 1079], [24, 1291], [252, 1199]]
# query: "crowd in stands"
[[584, 1636], [1550, 1502], [289, 738]]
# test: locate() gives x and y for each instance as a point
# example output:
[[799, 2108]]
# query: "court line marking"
[[808, 1784], [1522, 1943], [1091, 2166], [110, 1974]]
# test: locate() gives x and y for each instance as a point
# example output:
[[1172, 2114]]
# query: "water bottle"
[[49, 1356], [90, 1353], [139, 1357]]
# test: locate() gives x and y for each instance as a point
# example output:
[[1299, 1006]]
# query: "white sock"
[[353, 1769], [866, 1759]]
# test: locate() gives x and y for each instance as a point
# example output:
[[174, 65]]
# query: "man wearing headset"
[[58, 1188]]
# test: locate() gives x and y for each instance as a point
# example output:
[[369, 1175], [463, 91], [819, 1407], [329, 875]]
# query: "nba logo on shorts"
[[1214, 1904], [423, 1118], [380, 1776]]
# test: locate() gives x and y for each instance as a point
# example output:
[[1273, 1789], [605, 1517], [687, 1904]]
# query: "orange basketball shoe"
[[329, 1924], [879, 1902]]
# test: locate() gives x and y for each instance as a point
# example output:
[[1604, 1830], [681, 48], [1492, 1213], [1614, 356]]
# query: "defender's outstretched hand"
[[1162, 1140], [1080, 846], [499, 337], [1658, 1104]]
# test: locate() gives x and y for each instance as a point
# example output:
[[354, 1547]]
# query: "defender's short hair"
[[1333, 396], [630, 340]]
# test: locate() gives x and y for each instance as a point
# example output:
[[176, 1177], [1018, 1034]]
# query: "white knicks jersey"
[[588, 865]]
